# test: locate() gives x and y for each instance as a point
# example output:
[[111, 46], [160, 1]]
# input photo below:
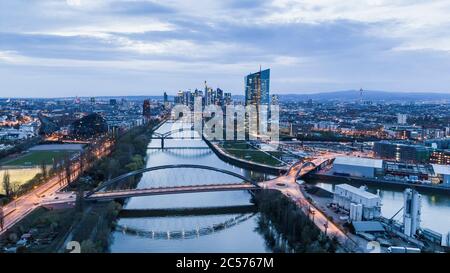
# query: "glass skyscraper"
[[257, 88], [257, 93]]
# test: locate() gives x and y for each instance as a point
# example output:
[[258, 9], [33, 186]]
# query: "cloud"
[[74, 3], [320, 44]]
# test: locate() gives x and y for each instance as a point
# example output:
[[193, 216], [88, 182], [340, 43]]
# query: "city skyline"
[[57, 48]]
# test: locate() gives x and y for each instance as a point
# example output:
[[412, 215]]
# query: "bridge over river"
[[286, 184]]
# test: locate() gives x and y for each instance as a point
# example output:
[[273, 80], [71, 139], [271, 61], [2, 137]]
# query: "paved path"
[[287, 185]]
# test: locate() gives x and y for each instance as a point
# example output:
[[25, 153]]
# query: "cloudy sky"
[[51, 48]]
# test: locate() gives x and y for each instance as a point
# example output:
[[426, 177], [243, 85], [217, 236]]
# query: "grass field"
[[35, 158], [244, 151]]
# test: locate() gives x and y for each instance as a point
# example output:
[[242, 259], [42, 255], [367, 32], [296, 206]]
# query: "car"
[[22, 242], [10, 250]]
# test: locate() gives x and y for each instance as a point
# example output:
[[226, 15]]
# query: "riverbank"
[[244, 163], [293, 231], [335, 179], [93, 222]]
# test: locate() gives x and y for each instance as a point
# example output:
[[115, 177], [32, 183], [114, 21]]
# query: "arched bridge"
[[100, 194], [297, 168], [169, 134]]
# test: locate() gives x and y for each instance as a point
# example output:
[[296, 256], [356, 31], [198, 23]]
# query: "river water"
[[162, 234], [435, 213], [192, 233]]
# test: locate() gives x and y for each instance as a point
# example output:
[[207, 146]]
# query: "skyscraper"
[[179, 99], [227, 99], [146, 109], [219, 97], [257, 88], [257, 94]]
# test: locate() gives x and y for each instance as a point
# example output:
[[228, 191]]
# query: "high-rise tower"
[[257, 93]]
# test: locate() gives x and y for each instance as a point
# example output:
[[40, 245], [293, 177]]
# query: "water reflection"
[[435, 207], [227, 233]]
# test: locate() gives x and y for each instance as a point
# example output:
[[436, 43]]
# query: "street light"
[[326, 226]]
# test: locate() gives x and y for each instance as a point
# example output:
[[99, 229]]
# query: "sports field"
[[18, 176], [35, 158]]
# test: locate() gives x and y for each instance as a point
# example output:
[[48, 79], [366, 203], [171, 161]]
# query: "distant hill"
[[345, 95], [354, 95]]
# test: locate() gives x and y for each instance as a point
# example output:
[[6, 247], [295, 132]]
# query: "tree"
[[112, 168], [81, 161], [7, 187], [2, 216], [43, 169], [67, 169], [54, 166], [79, 203], [87, 246]]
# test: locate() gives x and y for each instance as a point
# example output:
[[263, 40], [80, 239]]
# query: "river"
[[191, 233], [435, 211], [238, 237]]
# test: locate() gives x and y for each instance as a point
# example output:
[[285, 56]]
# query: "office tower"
[[411, 212], [179, 99], [210, 96], [166, 100], [187, 100], [146, 112], [227, 99], [257, 88], [257, 94], [219, 97], [207, 95], [401, 118]]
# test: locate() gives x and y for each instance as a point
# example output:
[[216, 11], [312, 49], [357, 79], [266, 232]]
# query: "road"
[[288, 186], [22, 206]]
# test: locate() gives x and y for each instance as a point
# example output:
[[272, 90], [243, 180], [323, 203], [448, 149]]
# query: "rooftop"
[[360, 192], [359, 161], [368, 226], [441, 169]]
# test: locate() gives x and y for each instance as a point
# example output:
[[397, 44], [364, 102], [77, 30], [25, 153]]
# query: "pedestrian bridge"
[[108, 191], [109, 195], [170, 134]]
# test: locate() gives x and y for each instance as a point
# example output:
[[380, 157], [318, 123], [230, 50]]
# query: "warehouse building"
[[357, 166], [361, 205], [443, 173]]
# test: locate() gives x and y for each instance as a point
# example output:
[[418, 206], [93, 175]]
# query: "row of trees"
[[128, 154], [96, 223], [286, 228]]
